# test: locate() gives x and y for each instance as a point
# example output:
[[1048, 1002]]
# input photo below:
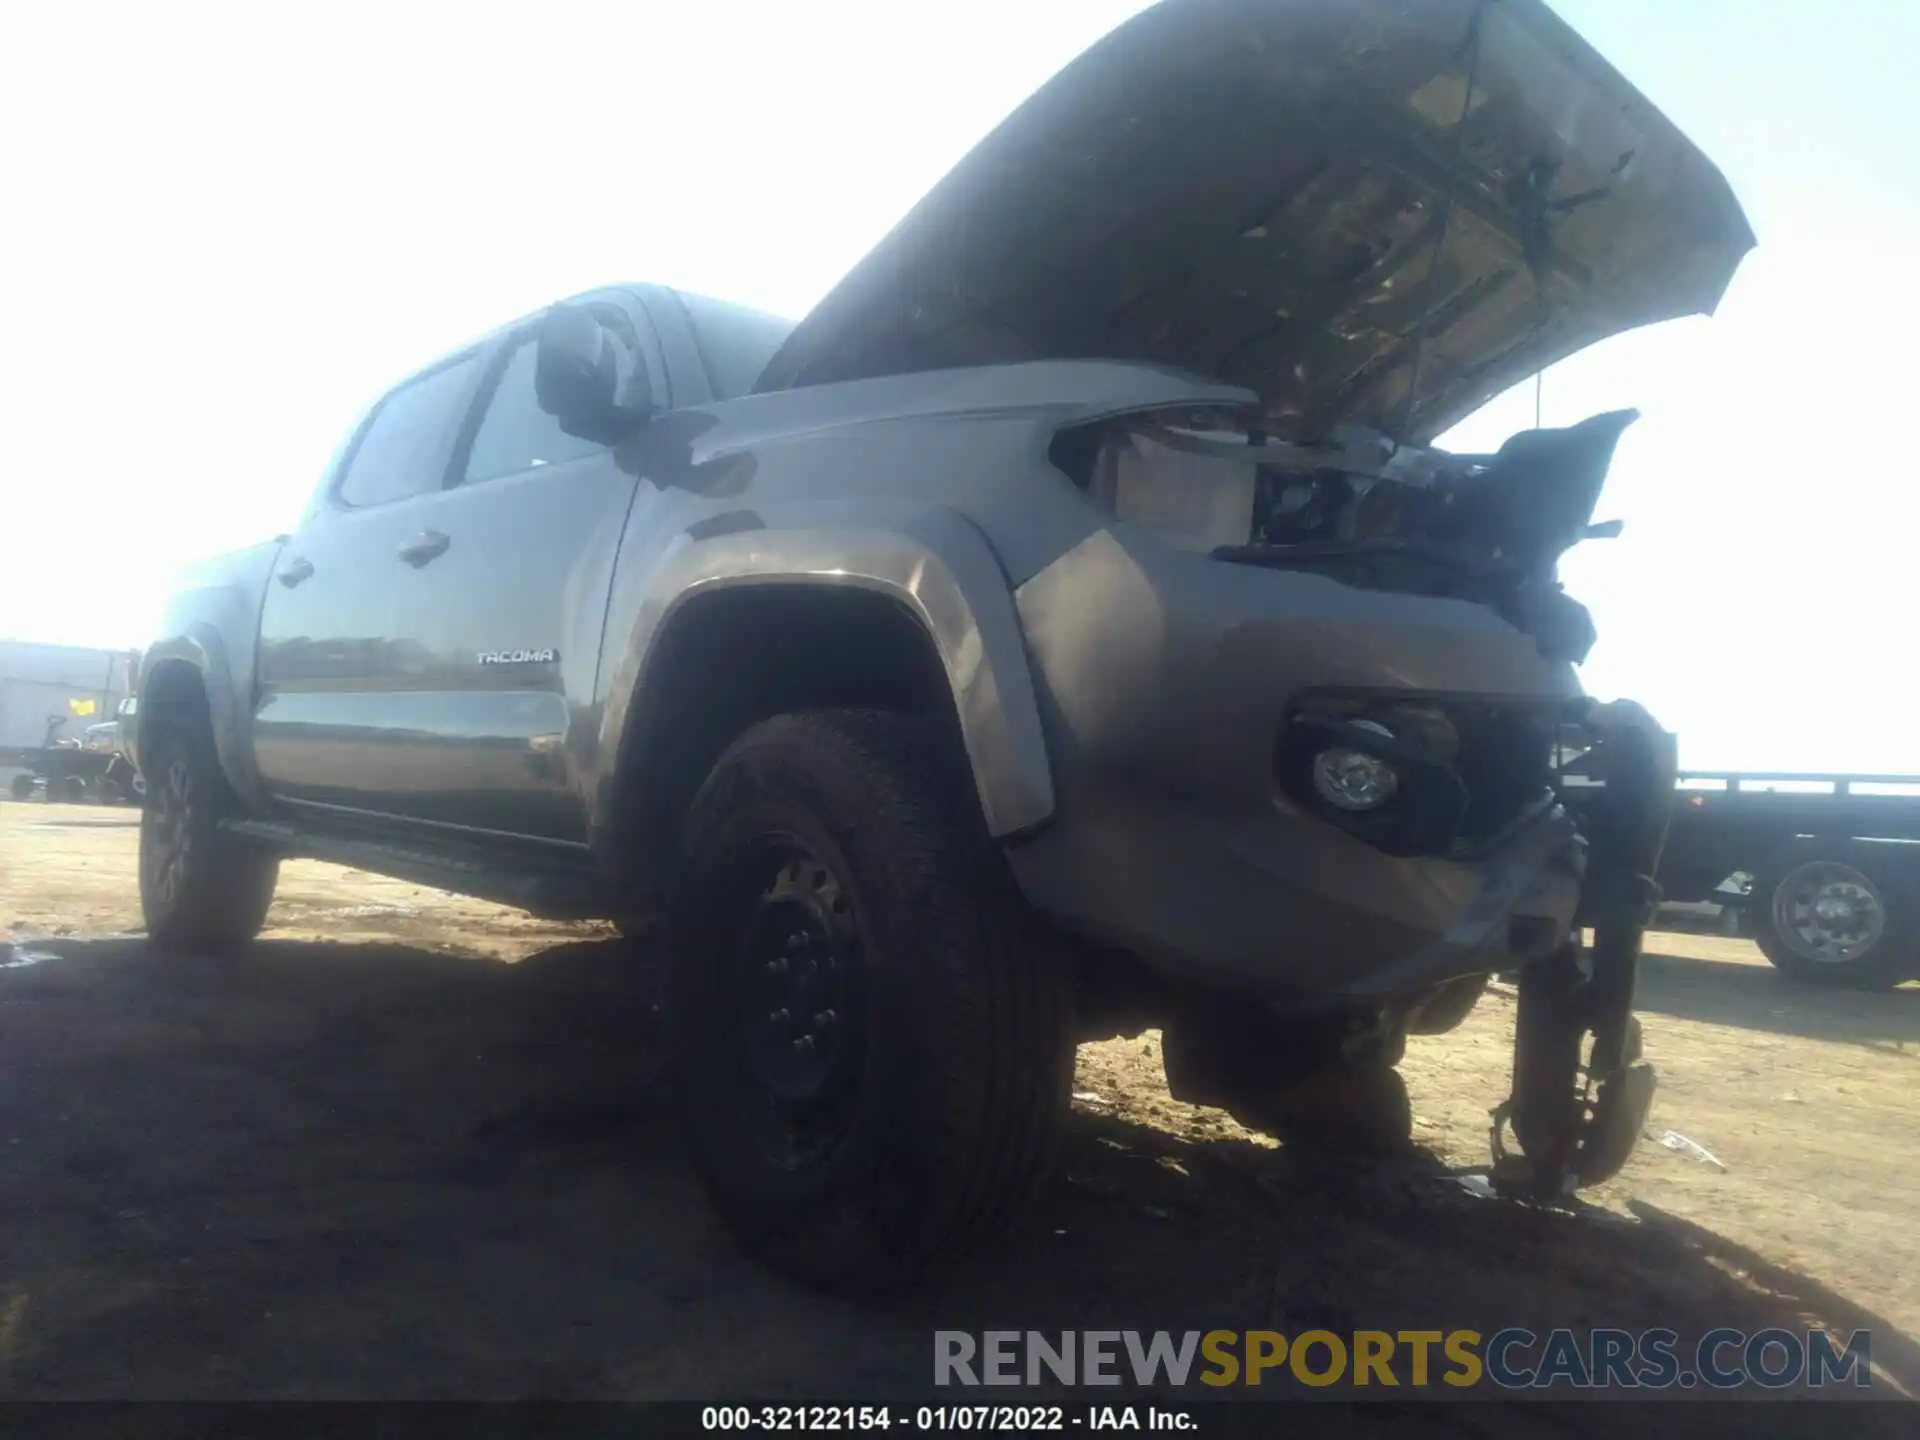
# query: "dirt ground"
[[413, 1146]]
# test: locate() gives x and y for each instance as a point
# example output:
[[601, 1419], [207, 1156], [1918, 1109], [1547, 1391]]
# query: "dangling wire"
[[1472, 46]]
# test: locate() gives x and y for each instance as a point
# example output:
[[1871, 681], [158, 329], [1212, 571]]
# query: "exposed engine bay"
[[1361, 510]]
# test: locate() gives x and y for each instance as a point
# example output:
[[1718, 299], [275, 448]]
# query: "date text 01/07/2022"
[[944, 1419]]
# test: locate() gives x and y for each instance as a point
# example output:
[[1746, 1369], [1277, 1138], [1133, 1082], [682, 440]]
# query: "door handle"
[[425, 546], [298, 569]]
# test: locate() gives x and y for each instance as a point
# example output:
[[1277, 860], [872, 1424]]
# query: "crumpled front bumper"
[[1167, 682], [1295, 906]]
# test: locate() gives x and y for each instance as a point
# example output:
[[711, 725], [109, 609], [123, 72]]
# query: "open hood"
[[1258, 191]]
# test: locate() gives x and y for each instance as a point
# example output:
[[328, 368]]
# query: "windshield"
[[735, 343]]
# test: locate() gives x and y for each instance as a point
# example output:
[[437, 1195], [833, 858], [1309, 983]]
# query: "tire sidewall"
[[878, 1185], [225, 888], [164, 916]]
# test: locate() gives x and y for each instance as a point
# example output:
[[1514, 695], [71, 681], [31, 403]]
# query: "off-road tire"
[[955, 1060], [200, 890], [22, 787], [1888, 963]]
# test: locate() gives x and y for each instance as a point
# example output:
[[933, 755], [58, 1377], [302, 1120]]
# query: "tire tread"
[[990, 992], [227, 895]]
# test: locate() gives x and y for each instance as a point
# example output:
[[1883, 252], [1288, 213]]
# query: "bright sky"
[[229, 227]]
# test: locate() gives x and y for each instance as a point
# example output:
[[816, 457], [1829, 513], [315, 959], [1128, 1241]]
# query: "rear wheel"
[[200, 889], [22, 787], [878, 1047], [1844, 916]]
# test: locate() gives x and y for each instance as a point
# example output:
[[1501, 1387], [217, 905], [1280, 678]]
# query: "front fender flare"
[[940, 568]]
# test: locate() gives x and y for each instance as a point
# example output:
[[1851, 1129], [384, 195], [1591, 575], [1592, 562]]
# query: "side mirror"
[[589, 372]]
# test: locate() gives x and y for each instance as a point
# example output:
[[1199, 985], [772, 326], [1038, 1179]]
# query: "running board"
[[542, 888]]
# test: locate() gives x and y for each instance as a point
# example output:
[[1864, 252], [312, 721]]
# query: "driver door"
[[432, 638]]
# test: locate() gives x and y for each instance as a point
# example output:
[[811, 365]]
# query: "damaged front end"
[[1301, 675], [1371, 514], [1466, 783], [1578, 1116]]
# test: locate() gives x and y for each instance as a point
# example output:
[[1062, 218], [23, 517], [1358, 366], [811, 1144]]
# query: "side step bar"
[[536, 885]]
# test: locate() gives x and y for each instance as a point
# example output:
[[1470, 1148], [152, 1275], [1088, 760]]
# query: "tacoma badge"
[[519, 657]]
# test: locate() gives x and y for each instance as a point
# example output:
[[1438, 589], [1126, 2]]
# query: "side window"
[[515, 434], [404, 448]]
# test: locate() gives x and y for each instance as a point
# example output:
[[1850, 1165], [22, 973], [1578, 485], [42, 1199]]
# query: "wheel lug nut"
[[803, 1044], [824, 1020], [779, 1017], [776, 967]]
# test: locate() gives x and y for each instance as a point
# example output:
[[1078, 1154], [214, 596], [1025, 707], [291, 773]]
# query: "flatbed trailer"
[[1825, 868]]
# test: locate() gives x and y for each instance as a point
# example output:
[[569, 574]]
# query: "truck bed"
[[1727, 822]]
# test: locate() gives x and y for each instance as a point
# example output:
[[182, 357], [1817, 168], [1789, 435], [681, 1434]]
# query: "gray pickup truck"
[[1067, 628]]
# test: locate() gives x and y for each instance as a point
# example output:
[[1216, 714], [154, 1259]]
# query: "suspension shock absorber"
[[1576, 1123]]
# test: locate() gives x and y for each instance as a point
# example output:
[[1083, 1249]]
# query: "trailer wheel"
[[1845, 916]]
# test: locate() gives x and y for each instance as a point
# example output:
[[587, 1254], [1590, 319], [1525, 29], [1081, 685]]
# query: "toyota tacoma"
[[1068, 627]]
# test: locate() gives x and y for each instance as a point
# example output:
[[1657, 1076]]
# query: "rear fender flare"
[[201, 649]]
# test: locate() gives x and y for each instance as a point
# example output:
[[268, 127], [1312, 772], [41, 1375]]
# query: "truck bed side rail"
[[1750, 781]]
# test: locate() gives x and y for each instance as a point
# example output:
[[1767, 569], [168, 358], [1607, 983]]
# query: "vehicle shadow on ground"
[[330, 1171], [1724, 992]]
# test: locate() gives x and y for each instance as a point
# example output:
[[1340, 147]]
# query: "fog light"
[[1352, 780]]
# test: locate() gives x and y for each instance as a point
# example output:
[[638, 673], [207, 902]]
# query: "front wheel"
[[877, 1047], [200, 889], [1846, 916]]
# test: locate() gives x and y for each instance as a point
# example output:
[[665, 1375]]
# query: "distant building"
[[82, 686]]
